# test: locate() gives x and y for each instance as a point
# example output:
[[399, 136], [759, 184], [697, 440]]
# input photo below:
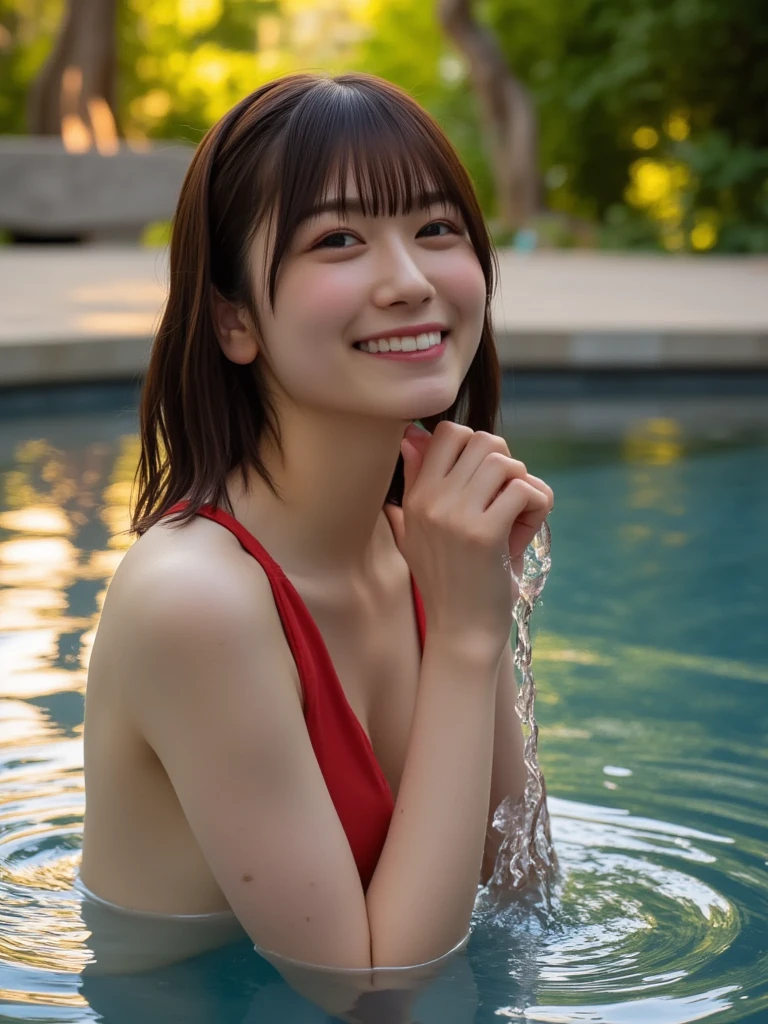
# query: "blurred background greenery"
[[651, 115]]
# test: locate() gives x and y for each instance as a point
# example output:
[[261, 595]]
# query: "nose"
[[400, 278]]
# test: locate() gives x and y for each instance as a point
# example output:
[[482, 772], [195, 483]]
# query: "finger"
[[493, 473], [517, 512], [418, 436], [479, 447], [412, 462], [397, 521], [543, 487], [446, 445]]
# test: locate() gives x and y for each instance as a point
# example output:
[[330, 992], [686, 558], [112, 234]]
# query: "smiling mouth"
[[404, 344]]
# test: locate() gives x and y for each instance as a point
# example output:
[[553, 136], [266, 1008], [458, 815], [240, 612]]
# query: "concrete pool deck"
[[88, 313]]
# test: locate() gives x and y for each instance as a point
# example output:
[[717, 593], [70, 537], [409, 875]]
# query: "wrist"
[[478, 653]]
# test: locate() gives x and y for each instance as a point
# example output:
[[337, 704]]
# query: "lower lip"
[[419, 355]]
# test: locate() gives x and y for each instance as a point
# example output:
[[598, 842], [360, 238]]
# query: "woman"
[[300, 696]]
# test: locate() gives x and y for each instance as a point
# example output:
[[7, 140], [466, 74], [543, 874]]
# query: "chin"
[[431, 405]]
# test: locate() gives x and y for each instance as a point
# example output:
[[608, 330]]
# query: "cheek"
[[461, 276], [325, 297]]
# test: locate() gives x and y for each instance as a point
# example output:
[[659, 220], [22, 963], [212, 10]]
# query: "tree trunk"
[[76, 85], [507, 111]]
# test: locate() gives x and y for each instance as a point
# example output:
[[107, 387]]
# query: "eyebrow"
[[426, 199]]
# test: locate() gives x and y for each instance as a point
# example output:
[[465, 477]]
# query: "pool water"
[[651, 662]]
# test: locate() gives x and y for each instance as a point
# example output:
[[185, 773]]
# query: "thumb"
[[413, 456], [395, 516]]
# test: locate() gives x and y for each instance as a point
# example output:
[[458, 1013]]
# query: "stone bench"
[[50, 194]]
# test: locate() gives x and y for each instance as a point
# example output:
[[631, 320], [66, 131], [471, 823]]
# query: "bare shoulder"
[[191, 573], [180, 593]]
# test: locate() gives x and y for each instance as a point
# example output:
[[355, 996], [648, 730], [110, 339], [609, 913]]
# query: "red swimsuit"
[[356, 783]]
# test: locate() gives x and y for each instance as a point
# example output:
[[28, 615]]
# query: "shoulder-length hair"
[[274, 155]]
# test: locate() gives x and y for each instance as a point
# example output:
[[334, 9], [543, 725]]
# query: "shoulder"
[[185, 585]]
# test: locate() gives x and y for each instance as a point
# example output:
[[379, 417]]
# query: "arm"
[[422, 894], [509, 769], [211, 690]]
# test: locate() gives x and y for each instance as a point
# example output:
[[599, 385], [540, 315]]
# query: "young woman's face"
[[345, 280]]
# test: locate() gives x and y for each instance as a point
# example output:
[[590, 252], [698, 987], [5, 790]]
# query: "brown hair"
[[274, 154]]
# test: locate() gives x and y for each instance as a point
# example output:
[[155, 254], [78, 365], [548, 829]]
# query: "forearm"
[[422, 893]]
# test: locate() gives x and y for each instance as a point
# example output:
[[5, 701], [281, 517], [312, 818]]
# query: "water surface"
[[651, 662]]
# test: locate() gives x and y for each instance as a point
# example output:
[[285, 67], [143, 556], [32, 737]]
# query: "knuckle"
[[493, 442], [448, 428], [498, 459], [431, 515]]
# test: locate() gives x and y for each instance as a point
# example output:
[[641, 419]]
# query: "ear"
[[234, 329]]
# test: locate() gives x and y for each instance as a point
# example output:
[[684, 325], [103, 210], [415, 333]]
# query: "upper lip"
[[405, 332]]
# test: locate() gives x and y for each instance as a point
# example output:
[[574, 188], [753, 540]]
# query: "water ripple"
[[639, 905]]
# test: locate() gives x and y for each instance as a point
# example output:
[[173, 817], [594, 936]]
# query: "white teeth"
[[399, 344]]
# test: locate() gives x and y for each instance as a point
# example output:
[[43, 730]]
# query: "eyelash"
[[334, 234]]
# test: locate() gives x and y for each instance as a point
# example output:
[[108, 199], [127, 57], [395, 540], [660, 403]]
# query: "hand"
[[466, 504]]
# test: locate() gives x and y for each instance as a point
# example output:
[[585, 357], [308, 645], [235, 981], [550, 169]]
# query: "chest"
[[375, 649]]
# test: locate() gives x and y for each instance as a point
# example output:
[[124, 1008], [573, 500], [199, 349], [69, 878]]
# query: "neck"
[[333, 478]]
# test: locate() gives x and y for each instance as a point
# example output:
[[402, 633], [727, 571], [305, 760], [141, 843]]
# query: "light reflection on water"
[[651, 662]]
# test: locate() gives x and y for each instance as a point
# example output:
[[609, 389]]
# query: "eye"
[[439, 224], [336, 234]]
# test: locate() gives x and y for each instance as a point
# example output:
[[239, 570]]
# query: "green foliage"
[[27, 28], [652, 113], [693, 71]]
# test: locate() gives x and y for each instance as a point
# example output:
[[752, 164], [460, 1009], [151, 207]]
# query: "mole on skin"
[[247, 878]]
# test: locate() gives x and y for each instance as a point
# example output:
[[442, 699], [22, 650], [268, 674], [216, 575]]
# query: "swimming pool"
[[651, 660]]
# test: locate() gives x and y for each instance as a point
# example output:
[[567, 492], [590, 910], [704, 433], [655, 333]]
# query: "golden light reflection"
[[50, 497], [36, 560], [22, 724], [675, 540], [545, 651], [656, 442], [115, 511], [551, 647], [23, 609], [565, 732], [27, 664], [64, 999], [52, 539], [41, 519]]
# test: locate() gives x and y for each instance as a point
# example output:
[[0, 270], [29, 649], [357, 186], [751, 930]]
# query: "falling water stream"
[[526, 857]]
